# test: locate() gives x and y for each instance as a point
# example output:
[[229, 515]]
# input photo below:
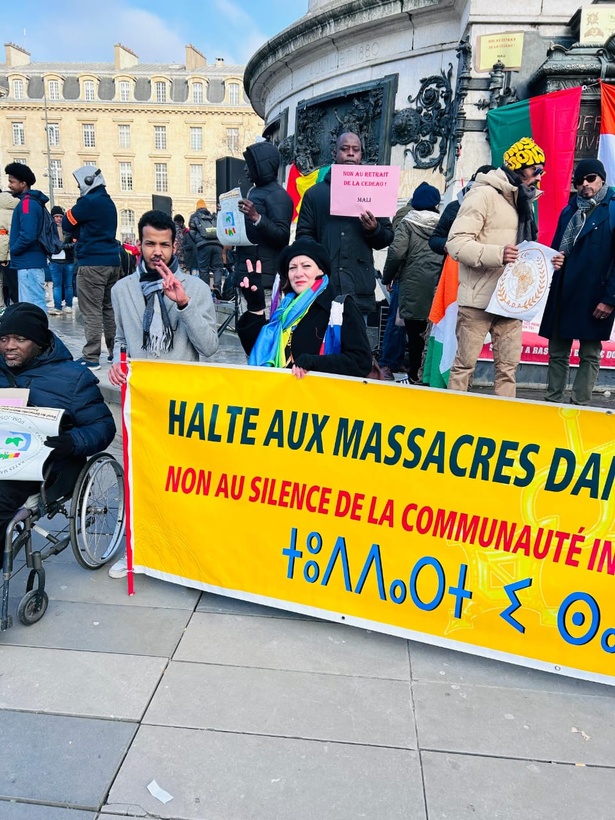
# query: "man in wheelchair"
[[33, 357]]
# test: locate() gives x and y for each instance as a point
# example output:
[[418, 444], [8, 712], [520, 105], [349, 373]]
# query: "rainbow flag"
[[442, 342], [550, 120], [606, 146], [298, 184]]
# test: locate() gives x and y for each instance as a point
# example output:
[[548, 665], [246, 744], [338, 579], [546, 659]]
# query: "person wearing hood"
[[417, 267], [268, 212], [350, 240], [8, 204], [495, 216], [27, 254], [32, 357], [93, 219]]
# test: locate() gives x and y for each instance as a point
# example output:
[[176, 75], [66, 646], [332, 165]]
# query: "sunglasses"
[[538, 172], [587, 178]]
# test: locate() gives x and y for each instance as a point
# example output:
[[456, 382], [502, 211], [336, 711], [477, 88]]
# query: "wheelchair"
[[89, 496]]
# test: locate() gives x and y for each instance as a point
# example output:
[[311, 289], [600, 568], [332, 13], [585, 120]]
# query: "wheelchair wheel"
[[97, 512], [27, 612]]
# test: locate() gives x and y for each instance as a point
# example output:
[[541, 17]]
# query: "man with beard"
[[495, 216], [160, 312], [350, 240], [582, 296]]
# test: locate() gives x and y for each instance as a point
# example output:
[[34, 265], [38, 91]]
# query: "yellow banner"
[[472, 522]]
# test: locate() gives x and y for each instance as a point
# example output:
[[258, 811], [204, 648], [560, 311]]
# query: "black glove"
[[255, 298], [306, 361], [62, 446]]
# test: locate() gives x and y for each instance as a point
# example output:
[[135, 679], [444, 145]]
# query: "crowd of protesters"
[[321, 289]]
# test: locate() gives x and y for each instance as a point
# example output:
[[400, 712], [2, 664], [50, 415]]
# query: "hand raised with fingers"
[[251, 288], [171, 286]]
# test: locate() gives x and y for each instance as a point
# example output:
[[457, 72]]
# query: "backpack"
[[49, 238], [205, 227]]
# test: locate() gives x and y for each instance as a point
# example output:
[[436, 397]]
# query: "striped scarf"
[[157, 329], [270, 349]]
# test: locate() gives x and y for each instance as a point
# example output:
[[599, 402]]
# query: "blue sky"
[[156, 30]]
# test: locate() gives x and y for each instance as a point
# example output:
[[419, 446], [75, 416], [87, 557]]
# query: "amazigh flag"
[[606, 146], [298, 184], [442, 343], [551, 120]]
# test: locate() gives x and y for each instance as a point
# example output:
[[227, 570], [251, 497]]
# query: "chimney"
[[124, 57], [194, 58], [16, 55], [219, 60]]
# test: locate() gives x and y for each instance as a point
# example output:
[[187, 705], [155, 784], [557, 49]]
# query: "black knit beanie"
[[27, 320], [305, 247], [588, 166]]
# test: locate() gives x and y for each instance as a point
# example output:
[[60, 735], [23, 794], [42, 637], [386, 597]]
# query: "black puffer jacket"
[[275, 207], [55, 380]]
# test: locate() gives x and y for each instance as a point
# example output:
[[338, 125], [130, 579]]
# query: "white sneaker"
[[120, 568], [68, 309], [53, 311]]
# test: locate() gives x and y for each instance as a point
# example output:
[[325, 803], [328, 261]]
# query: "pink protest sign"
[[359, 188]]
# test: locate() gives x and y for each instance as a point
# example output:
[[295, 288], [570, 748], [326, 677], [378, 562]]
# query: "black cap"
[[27, 320], [588, 166], [57, 210], [305, 247]]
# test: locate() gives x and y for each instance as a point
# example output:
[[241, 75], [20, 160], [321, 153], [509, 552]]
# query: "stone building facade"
[[405, 75], [151, 129]]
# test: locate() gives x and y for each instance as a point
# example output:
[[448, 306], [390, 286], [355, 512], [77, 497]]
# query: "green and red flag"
[[551, 120]]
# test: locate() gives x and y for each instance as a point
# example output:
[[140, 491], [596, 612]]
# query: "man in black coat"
[[582, 295], [268, 212], [350, 240]]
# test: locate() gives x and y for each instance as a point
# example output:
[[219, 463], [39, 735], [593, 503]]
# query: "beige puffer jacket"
[[7, 206], [486, 222]]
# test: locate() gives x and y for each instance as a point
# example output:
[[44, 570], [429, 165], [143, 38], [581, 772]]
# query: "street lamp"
[[49, 174]]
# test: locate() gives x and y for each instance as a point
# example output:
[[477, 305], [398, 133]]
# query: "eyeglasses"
[[586, 178], [538, 172]]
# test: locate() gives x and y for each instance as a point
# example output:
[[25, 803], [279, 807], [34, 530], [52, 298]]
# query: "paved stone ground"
[[242, 712]]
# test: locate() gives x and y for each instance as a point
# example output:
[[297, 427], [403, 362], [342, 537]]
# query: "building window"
[[89, 90], [233, 93], [123, 136], [20, 160], [124, 91], [232, 139], [89, 135], [53, 134], [53, 90], [161, 92], [160, 137], [125, 176], [196, 179], [90, 163], [18, 89], [196, 138], [19, 134], [55, 170], [197, 93], [161, 181], [127, 223]]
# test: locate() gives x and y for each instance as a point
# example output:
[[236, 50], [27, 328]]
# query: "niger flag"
[[298, 184], [551, 120], [606, 146]]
